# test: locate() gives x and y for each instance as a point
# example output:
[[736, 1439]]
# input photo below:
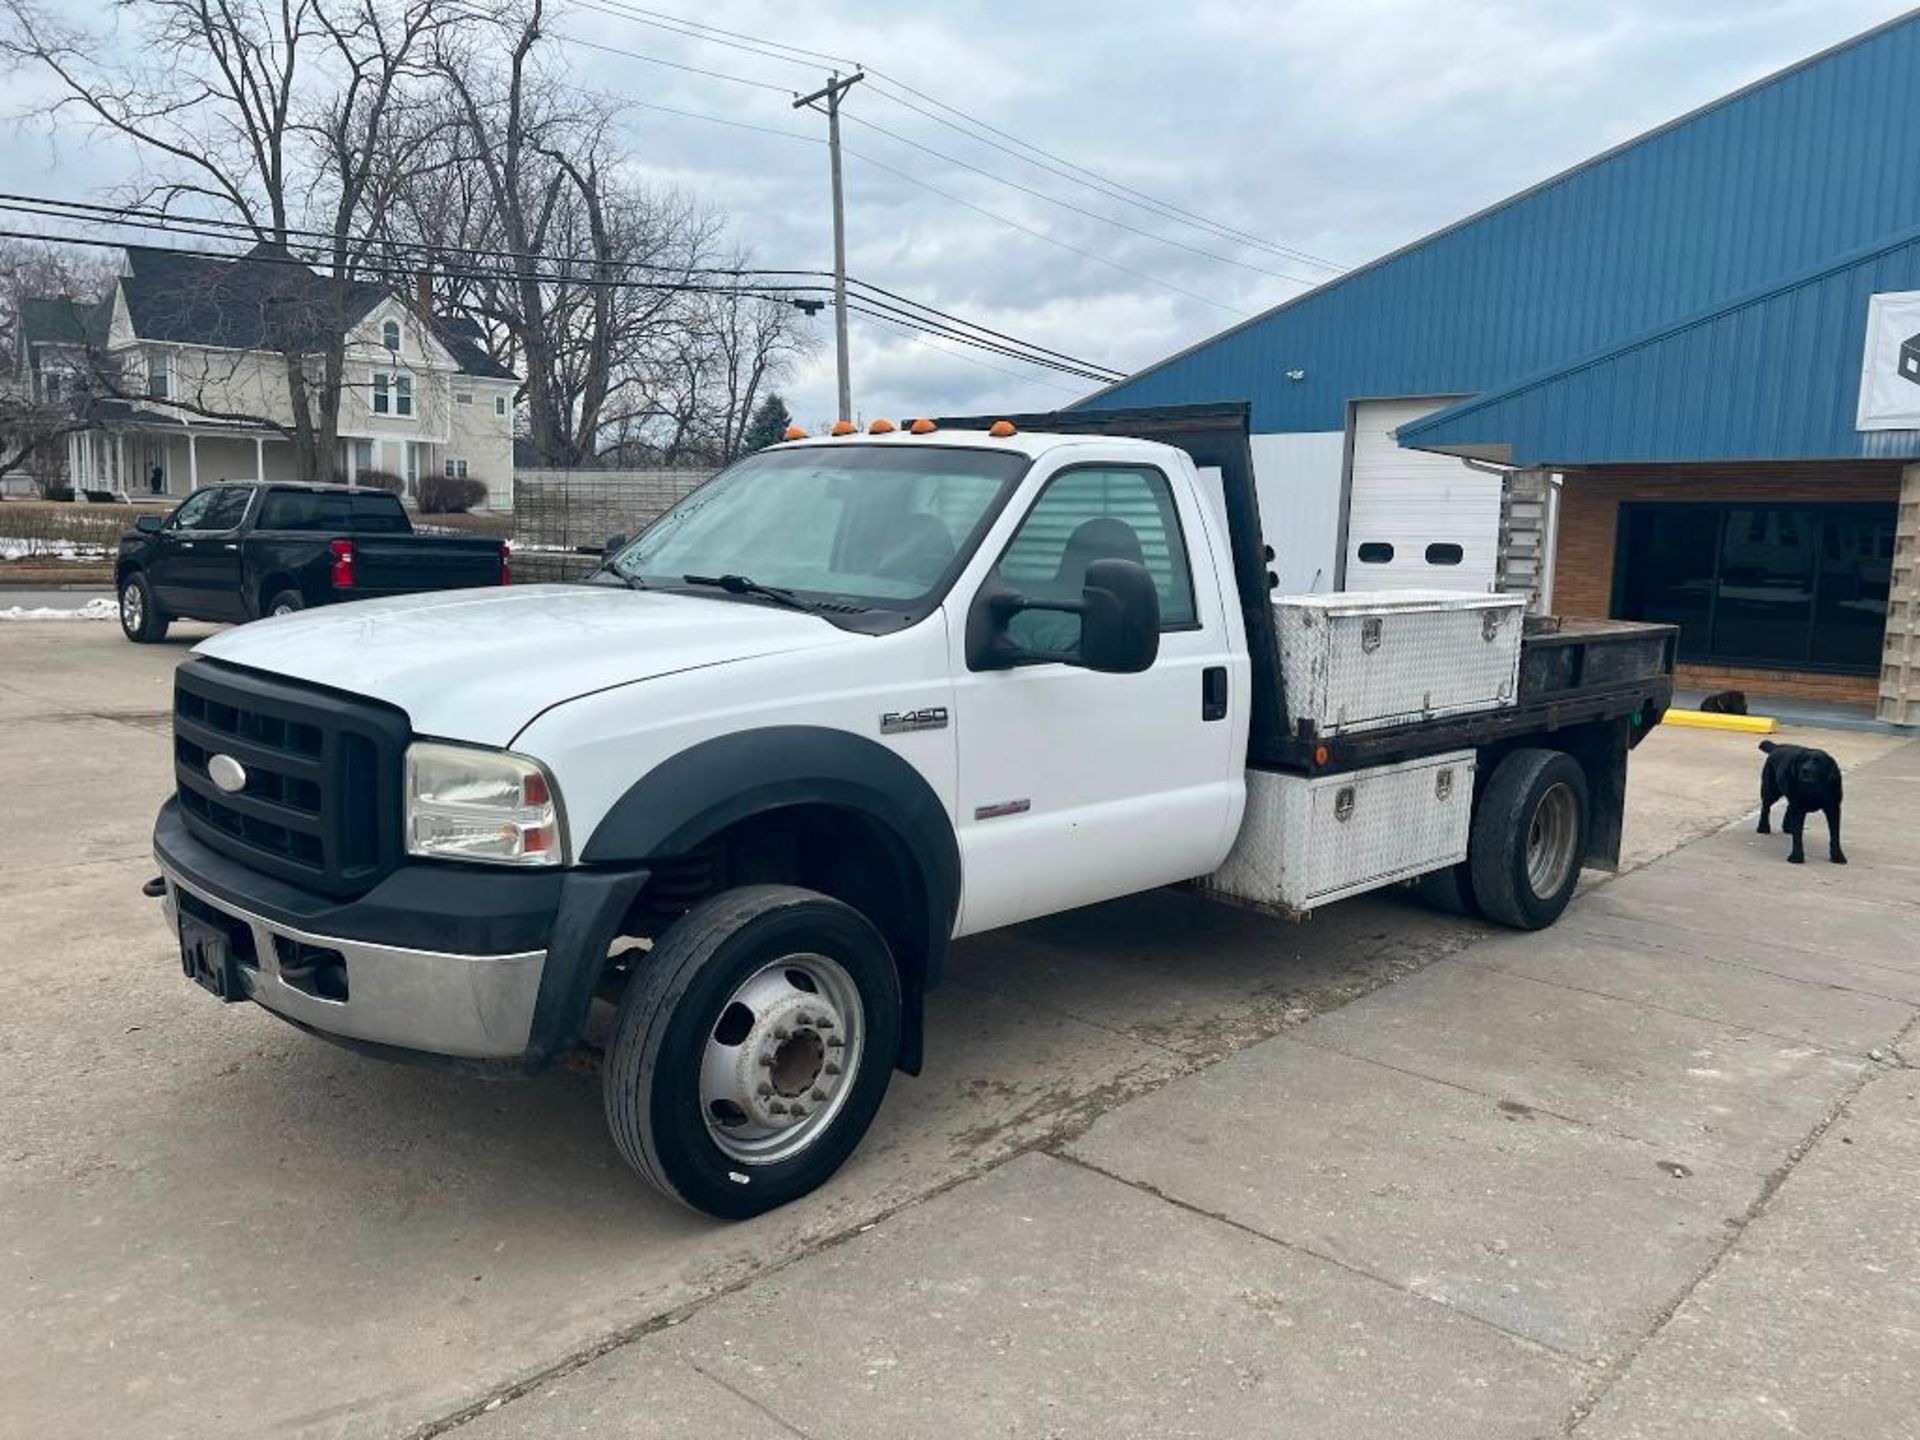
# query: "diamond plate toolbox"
[[1363, 660], [1309, 840]]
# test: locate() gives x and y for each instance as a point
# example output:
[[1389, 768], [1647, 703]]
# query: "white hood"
[[477, 665]]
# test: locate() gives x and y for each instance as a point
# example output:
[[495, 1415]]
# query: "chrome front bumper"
[[471, 1006]]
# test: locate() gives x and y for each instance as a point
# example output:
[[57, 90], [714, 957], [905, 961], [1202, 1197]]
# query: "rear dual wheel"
[[752, 1049], [1529, 838]]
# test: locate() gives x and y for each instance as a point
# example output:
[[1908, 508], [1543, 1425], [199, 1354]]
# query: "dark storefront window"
[[1792, 586]]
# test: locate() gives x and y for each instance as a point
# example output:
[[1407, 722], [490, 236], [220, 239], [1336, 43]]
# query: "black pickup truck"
[[239, 550]]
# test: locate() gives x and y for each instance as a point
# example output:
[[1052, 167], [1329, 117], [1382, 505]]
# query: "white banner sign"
[[1890, 369]]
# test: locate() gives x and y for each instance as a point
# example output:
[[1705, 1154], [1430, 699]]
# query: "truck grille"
[[320, 805]]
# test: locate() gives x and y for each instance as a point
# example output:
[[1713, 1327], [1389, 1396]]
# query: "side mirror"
[[147, 524], [1119, 618], [1119, 612], [614, 542]]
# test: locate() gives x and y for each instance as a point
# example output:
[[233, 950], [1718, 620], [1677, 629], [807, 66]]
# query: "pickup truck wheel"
[[1529, 834], [140, 617], [752, 1049], [285, 602]]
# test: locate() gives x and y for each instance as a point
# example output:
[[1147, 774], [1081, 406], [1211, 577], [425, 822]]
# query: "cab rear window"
[[334, 513]]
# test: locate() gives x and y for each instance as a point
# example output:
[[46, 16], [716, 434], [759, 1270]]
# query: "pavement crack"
[[742, 1396], [1616, 1368], [1373, 1277]]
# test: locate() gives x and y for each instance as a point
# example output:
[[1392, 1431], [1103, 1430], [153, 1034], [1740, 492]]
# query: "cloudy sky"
[[1337, 129]]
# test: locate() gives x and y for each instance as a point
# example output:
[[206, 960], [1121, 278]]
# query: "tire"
[[285, 602], [1449, 891], [682, 1053], [1529, 837], [140, 618]]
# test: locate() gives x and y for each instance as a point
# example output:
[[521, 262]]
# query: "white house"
[[198, 346]]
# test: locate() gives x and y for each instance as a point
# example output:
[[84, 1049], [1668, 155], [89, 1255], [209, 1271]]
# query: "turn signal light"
[[923, 427], [342, 564], [506, 562], [794, 432], [1001, 429], [880, 427], [843, 427]]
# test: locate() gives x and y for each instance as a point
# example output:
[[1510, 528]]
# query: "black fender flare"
[[717, 783]]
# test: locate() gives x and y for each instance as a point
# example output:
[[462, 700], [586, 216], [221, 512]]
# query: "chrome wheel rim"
[[779, 1062], [1551, 838], [133, 608], [283, 609]]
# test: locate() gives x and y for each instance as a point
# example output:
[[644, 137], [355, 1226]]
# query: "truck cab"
[[855, 697]]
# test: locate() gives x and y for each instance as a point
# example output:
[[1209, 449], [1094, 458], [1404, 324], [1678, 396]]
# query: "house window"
[[500, 406], [159, 375], [52, 382], [390, 336], [413, 468], [456, 468], [463, 397], [1793, 586], [392, 393]]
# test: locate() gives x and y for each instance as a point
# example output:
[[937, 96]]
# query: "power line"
[[932, 327], [1078, 174], [929, 344], [1043, 235], [212, 227], [1076, 209], [949, 326], [996, 334]]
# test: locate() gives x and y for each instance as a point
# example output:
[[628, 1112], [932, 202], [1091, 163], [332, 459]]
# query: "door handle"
[[1213, 693], [230, 545]]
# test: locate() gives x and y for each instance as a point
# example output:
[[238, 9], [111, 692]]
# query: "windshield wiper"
[[745, 585]]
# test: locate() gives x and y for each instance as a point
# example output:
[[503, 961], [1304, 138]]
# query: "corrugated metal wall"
[[1770, 183], [1775, 376]]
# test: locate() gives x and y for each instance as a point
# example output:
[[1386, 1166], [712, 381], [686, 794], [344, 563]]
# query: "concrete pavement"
[[1567, 1183], [211, 1225]]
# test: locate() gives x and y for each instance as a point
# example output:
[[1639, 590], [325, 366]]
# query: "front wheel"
[[1529, 838], [140, 617], [752, 1048]]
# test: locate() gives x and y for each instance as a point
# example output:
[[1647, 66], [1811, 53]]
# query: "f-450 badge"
[[901, 722]]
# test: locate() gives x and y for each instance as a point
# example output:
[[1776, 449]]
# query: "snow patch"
[[98, 608]]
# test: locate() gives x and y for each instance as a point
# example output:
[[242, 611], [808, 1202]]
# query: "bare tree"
[[734, 347], [296, 117], [30, 271]]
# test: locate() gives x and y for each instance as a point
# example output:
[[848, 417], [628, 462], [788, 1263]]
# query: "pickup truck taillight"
[[506, 562], [342, 564]]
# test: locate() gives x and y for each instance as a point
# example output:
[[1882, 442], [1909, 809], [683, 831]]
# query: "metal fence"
[[570, 510]]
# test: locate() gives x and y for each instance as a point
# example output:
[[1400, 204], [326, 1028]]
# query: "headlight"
[[465, 803]]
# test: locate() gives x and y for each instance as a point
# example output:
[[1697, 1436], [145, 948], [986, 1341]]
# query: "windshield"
[[879, 526]]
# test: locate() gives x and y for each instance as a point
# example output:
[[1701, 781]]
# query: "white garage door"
[[1415, 520]]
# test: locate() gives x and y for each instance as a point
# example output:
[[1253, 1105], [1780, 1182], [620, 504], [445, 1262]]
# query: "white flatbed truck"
[[855, 697]]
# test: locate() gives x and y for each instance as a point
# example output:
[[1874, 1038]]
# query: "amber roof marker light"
[[880, 427], [1001, 429], [843, 427], [923, 427], [794, 432]]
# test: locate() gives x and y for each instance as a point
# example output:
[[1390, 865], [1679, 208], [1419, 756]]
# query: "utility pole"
[[831, 93]]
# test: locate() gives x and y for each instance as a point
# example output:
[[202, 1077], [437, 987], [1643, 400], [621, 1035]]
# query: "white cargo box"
[[1363, 660], [1310, 840]]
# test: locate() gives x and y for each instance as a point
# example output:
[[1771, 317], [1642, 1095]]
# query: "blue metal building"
[[1700, 349]]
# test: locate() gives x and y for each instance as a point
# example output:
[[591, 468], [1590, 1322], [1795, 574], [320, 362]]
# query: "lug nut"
[[825, 1022], [831, 1068], [781, 1032], [835, 1042], [767, 1061], [776, 1108], [818, 1093], [765, 1089]]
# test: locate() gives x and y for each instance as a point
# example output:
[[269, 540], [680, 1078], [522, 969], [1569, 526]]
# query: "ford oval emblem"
[[228, 773]]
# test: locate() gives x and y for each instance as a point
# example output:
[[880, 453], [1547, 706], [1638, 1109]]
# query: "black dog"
[[1808, 780], [1725, 702]]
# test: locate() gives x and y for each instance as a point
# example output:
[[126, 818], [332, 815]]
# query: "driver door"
[[169, 570], [1074, 786]]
